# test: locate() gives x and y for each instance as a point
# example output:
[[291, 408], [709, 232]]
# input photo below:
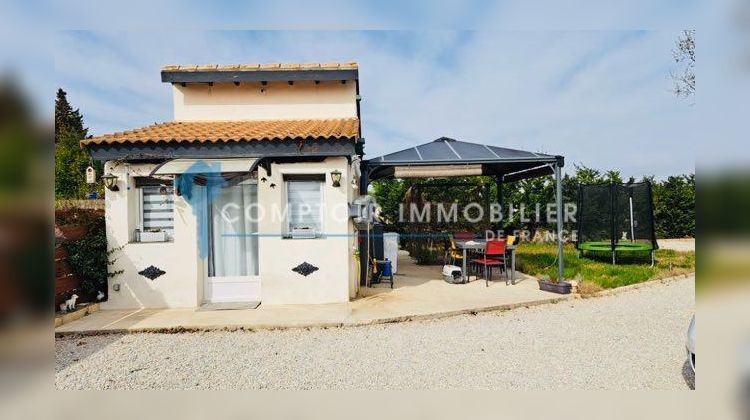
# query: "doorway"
[[233, 272]]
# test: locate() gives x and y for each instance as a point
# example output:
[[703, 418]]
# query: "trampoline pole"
[[632, 228], [368, 277]]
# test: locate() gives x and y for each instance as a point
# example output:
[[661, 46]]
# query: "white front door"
[[233, 242]]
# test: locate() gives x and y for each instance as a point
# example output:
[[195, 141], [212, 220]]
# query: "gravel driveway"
[[631, 340]]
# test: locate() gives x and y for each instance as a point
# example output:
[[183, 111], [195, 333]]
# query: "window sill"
[[170, 241], [302, 237], [157, 237]]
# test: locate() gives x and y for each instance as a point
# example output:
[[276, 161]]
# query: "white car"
[[690, 344]]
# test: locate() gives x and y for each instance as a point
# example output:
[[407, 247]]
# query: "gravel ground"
[[683, 244], [630, 340]]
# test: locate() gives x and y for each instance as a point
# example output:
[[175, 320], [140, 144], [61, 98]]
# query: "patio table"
[[479, 245]]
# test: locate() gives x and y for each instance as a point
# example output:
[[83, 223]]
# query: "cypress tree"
[[67, 120], [70, 159]]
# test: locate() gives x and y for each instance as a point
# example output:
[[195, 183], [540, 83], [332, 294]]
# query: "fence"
[[66, 281]]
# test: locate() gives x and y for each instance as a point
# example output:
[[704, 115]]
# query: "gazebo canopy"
[[450, 157], [446, 157]]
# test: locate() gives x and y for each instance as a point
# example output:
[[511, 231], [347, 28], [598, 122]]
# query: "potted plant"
[[561, 287]]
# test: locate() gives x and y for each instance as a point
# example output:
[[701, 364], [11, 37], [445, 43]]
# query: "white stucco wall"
[[276, 100], [182, 285], [332, 253], [179, 287]]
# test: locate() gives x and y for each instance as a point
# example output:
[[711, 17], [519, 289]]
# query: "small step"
[[229, 306]]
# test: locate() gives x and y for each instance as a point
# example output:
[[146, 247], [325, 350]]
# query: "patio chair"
[[452, 252], [494, 256]]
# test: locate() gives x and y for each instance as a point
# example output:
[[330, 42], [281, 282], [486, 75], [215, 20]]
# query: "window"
[[156, 210], [304, 201]]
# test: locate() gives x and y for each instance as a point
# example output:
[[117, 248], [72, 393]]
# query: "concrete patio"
[[419, 293]]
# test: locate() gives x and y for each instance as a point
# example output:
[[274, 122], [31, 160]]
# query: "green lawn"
[[539, 259]]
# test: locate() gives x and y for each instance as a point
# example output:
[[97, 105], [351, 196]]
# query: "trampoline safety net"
[[615, 217]]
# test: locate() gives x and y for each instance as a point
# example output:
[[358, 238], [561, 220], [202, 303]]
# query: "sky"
[[600, 98], [585, 79]]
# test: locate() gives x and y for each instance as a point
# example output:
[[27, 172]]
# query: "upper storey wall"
[[275, 100]]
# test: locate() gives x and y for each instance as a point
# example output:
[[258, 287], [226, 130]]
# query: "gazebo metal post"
[[559, 205], [499, 184], [363, 237], [487, 204]]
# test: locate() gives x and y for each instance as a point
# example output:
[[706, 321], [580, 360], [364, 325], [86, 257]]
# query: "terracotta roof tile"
[[231, 131], [253, 67]]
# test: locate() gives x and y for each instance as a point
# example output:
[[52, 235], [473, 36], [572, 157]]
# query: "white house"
[[244, 196]]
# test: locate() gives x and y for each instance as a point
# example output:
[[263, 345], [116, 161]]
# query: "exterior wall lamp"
[[110, 181], [336, 178]]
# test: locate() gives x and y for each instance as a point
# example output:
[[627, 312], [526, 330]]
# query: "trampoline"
[[616, 219], [619, 247]]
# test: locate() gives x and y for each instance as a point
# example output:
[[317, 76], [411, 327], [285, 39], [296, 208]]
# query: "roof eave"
[[540, 159], [88, 142], [178, 76], [159, 151]]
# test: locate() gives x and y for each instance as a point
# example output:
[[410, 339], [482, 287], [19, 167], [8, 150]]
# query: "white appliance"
[[390, 249]]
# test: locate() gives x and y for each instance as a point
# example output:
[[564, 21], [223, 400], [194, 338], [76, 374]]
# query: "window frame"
[[320, 179], [148, 182]]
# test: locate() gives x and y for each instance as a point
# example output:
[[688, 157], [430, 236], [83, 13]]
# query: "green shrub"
[[90, 259]]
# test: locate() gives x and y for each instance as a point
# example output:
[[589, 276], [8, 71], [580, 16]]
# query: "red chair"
[[494, 256]]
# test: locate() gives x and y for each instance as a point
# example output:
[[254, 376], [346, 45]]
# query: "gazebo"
[[447, 157]]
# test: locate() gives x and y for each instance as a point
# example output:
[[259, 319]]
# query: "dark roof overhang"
[[170, 76], [158, 151]]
